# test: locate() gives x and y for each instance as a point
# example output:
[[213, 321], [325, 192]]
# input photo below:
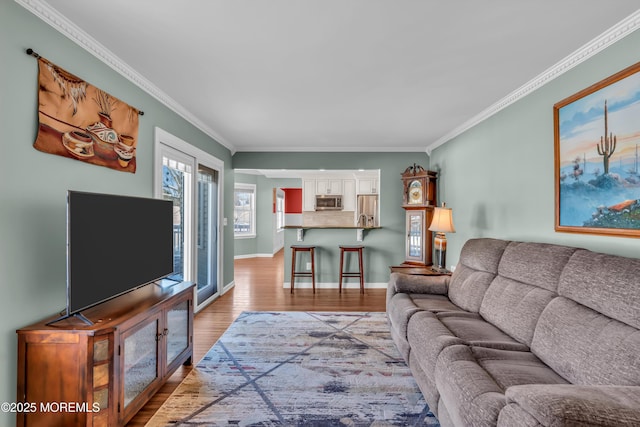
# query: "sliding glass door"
[[207, 257], [191, 179]]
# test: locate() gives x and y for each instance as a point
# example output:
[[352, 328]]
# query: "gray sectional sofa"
[[524, 334]]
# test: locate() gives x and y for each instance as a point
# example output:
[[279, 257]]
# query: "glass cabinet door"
[[415, 244], [177, 330], [140, 359]]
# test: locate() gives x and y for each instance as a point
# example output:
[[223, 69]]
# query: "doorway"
[[192, 180]]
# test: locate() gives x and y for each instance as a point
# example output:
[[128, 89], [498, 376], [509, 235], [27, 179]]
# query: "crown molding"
[[604, 40], [326, 149], [59, 22]]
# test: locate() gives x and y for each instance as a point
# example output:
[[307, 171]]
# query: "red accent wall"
[[292, 200]]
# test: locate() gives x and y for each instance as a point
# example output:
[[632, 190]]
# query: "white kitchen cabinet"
[[328, 186], [309, 195], [367, 186], [349, 194]]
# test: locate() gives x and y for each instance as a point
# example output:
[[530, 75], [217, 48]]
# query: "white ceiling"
[[335, 75]]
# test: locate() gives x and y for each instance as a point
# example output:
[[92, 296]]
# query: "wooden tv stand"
[[73, 374]]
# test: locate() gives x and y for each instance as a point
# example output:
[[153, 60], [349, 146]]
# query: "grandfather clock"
[[418, 201]]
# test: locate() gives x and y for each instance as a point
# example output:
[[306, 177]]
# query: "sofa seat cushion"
[[434, 303], [512, 415], [572, 405], [403, 306], [429, 333], [472, 380], [476, 331], [427, 337]]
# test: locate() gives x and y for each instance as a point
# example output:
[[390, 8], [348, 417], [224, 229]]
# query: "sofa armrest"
[[566, 404], [413, 284]]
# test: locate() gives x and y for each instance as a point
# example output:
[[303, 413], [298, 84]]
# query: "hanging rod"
[[31, 52]]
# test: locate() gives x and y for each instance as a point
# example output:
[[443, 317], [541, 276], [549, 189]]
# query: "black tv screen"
[[115, 244]]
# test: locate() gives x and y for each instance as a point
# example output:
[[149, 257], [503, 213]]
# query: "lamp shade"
[[442, 220]]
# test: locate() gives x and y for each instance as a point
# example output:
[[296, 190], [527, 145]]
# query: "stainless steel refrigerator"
[[367, 210]]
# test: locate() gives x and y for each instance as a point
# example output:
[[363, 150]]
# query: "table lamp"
[[442, 223]]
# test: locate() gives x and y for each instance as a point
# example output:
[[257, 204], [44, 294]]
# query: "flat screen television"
[[115, 244]]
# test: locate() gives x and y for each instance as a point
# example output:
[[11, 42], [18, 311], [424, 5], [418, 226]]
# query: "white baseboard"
[[253, 256], [227, 287]]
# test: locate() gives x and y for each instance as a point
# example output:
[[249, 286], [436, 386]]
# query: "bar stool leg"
[[361, 271], [313, 270], [293, 267], [341, 266]]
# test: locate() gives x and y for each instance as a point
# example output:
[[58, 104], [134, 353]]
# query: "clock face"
[[415, 192]]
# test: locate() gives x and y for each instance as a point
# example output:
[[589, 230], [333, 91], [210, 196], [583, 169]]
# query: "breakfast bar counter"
[[301, 228], [348, 227]]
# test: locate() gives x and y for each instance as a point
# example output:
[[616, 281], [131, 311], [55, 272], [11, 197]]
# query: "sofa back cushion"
[[476, 269], [586, 347], [536, 264], [608, 284], [527, 280]]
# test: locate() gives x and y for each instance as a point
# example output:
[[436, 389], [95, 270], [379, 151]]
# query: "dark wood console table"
[[106, 371]]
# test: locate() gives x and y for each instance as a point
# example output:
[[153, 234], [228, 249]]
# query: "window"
[[244, 210], [280, 210]]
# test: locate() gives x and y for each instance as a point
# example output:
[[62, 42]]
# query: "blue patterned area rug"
[[299, 369]]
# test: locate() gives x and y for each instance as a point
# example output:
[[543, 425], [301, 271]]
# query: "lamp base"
[[440, 252]]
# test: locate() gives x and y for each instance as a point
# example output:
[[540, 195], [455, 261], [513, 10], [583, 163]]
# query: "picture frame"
[[596, 152]]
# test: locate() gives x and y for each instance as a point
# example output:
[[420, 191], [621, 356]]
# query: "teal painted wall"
[[383, 247], [498, 177], [266, 218], [33, 185], [263, 243]]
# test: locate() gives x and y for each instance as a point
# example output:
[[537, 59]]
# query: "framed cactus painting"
[[597, 171]]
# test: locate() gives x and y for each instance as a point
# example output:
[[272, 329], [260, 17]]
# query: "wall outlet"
[[453, 268], [308, 266]]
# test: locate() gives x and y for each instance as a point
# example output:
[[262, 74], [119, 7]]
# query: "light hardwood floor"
[[258, 287]]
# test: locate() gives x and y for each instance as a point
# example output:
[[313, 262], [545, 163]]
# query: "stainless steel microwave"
[[328, 203]]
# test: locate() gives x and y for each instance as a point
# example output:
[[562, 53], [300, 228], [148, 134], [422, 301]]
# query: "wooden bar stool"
[[294, 251], [360, 273]]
